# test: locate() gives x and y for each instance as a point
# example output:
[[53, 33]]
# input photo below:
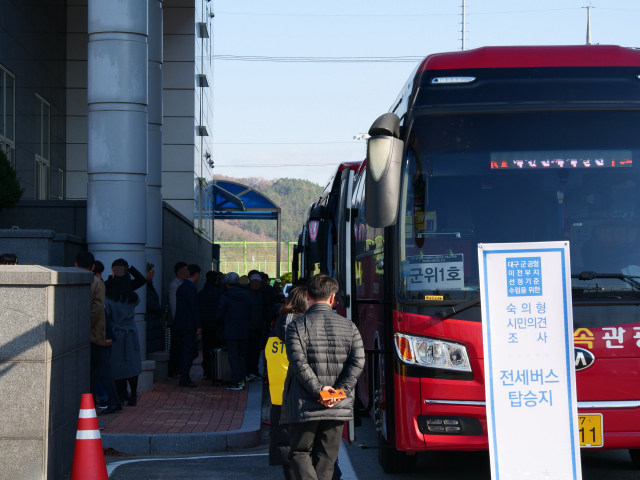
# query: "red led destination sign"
[[568, 160]]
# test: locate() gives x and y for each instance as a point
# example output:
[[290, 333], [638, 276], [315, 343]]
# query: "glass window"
[[332, 233], [46, 127], [7, 115], [2, 102], [57, 185], [369, 246], [10, 111], [520, 177], [42, 179], [43, 150]]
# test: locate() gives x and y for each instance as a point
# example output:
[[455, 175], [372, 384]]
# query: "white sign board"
[[529, 366]]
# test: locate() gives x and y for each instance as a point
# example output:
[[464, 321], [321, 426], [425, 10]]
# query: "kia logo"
[[584, 358]]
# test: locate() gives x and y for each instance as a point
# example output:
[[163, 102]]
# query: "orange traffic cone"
[[88, 456]]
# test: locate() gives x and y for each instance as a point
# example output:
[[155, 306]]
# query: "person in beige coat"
[[85, 261]]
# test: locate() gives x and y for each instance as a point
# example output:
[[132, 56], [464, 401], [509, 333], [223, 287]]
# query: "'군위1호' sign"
[[529, 366]]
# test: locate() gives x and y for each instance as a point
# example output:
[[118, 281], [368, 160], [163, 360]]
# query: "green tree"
[[286, 278], [10, 191], [294, 196]]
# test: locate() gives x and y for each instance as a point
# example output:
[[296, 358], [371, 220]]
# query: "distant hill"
[[293, 195]]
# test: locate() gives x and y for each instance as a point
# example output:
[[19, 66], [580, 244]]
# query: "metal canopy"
[[235, 201], [228, 196]]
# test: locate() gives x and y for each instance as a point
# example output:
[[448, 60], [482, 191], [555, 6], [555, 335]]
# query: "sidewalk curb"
[[161, 443]]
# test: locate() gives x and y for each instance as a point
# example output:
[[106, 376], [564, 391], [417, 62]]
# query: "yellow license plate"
[[590, 430]]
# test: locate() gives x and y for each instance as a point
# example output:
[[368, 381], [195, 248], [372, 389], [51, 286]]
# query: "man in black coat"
[[233, 309], [153, 317], [325, 353], [212, 333], [258, 317], [188, 322]]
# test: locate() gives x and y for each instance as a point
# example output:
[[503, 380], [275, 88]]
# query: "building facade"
[[105, 114], [44, 106]]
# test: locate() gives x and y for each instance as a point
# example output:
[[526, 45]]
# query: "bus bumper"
[[414, 408]]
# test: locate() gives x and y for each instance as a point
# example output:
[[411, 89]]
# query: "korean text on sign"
[[523, 277], [436, 272]]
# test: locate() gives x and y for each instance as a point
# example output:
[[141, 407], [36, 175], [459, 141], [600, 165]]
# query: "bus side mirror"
[[384, 165], [317, 213]]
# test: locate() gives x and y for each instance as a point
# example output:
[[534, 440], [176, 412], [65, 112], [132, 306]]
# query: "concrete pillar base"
[[145, 379], [161, 371]]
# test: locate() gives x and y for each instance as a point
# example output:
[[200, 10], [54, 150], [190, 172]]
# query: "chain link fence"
[[242, 257]]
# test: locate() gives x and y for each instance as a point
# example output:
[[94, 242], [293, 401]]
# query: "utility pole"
[[588, 23], [464, 23]]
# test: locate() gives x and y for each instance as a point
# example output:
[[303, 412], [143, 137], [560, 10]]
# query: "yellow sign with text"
[[277, 366]]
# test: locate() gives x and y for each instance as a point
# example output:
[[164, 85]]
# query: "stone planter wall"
[[45, 317]]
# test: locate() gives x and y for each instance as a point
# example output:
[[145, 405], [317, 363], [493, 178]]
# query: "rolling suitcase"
[[221, 371]]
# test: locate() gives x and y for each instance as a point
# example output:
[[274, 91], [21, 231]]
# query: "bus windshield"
[[521, 177]]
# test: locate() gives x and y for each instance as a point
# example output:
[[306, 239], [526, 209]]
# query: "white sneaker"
[[251, 377]]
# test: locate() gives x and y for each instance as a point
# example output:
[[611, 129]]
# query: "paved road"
[[252, 464], [601, 465]]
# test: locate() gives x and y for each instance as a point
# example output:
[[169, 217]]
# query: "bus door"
[[315, 246], [344, 270], [344, 221]]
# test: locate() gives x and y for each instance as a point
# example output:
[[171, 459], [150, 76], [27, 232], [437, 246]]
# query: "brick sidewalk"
[[173, 409]]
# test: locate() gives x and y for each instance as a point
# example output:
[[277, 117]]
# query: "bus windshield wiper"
[[448, 311], [621, 276]]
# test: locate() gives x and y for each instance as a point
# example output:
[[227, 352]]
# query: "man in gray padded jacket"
[[325, 352]]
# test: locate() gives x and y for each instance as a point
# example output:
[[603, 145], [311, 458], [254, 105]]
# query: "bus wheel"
[[635, 457], [393, 461]]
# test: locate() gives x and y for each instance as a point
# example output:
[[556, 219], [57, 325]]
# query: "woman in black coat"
[[279, 446]]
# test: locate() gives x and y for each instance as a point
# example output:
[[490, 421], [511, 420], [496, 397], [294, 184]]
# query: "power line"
[[618, 9], [409, 15], [257, 58], [284, 143]]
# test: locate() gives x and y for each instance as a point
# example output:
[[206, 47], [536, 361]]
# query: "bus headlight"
[[429, 352]]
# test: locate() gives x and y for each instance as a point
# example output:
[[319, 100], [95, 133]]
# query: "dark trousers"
[[106, 379], [208, 341], [95, 359], [189, 340], [175, 352], [314, 448], [121, 385], [237, 351], [254, 347]]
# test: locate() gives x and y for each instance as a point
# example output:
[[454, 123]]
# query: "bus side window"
[[369, 255]]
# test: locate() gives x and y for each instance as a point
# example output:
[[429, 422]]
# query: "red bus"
[[493, 145]]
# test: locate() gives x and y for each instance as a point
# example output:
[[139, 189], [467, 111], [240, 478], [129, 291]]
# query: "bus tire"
[[392, 460], [635, 457]]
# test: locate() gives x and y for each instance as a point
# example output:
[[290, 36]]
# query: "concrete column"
[[117, 136], [154, 164]]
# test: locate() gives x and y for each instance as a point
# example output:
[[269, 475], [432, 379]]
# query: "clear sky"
[[268, 113]]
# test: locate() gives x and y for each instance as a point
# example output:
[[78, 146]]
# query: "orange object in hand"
[[337, 395]]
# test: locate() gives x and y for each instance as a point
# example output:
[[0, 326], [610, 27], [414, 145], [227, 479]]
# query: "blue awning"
[[235, 201], [224, 200]]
